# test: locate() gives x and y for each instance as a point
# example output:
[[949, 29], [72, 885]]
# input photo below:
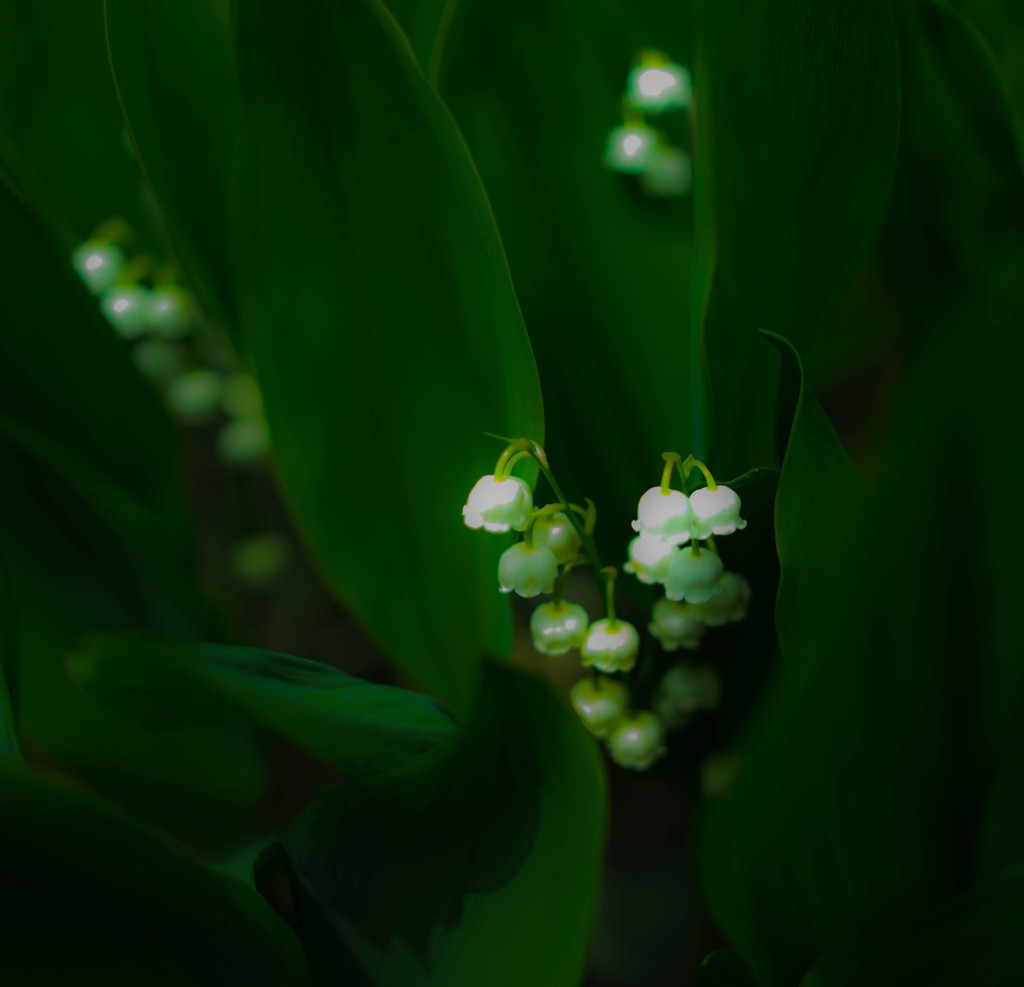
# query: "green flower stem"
[[688, 465], [609, 573], [512, 454], [671, 459], [567, 566]]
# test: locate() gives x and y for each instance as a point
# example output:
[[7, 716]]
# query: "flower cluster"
[[699, 594], [655, 86]]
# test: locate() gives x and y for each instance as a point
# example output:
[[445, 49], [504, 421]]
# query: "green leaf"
[[816, 505], [385, 332], [357, 726], [801, 110], [602, 270], [481, 868], [174, 70], [9, 745], [724, 968], [63, 370], [974, 939], [100, 897]]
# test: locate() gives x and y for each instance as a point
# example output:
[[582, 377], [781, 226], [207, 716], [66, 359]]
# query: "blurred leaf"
[[9, 745], [479, 867], [801, 110], [976, 939], [384, 329], [64, 371], [816, 505], [357, 726], [724, 968], [59, 108], [602, 269], [174, 71], [102, 901]]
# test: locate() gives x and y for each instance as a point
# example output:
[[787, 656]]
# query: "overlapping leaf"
[[357, 726], [98, 899], [482, 867], [383, 325]]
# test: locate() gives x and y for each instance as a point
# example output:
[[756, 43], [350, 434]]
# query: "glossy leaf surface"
[[121, 906], [481, 867], [357, 726], [385, 332]]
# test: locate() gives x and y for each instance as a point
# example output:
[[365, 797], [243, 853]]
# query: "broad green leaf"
[[602, 270], [360, 727], [384, 329], [63, 370], [174, 70], [724, 968], [480, 868], [801, 108], [816, 504], [100, 898], [9, 745], [977, 939]]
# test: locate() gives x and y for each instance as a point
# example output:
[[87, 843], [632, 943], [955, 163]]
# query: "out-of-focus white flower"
[[637, 741], [529, 570], [669, 175], [170, 308], [555, 531], [629, 149], [664, 516], [648, 559], [499, 505], [194, 395], [127, 310], [610, 645], [684, 690], [600, 706], [656, 88], [98, 263], [715, 512], [693, 577], [728, 606], [558, 628], [674, 624]]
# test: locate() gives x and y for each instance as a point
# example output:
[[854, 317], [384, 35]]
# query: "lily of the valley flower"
[[649, 559], [728, 606], [611, 645], [693, 575], [674, 624], [499, 505], [527, 569], [555, 531], [715, 512], [637, 741], [664, 516], [600, 705], [558, 627]]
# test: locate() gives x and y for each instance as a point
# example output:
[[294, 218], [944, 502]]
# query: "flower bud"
[[600, 706], [499, 505], [629, 149], [664, 516], [555, 531], [728, 606], [194, 395], [558, 628], [684, 690], [638, 741], [170, 308], [693, 577], [675, 625], [127, 310], [669, 175], [648, 559], [715, 512], [610, 645], [529, 570], [98, 263]]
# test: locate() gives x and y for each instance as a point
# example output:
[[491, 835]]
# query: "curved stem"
[[671, 459], [567, 567]]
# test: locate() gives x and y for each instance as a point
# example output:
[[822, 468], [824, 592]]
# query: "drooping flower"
[[637, 741], [529, 570], [693, 575], [555, 531], [600, 705], [629, 149], [498, 505], [610, 645], [664, 516], [674, 624], [649, 559], [715, 512], [728, 606], [558, 627]]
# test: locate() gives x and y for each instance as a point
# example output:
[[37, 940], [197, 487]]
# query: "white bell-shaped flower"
[[629, 149], [555, 531], [98, 263], [610, 645], [558, 627], [669, 175], [170, 309], [715, 512], [127, 310], [674, 625], [664, 516], [600, 706], [529, 570], [728, 606], [693, 577], [656, 88], [499, 505], [637, 741], [648, 559]]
